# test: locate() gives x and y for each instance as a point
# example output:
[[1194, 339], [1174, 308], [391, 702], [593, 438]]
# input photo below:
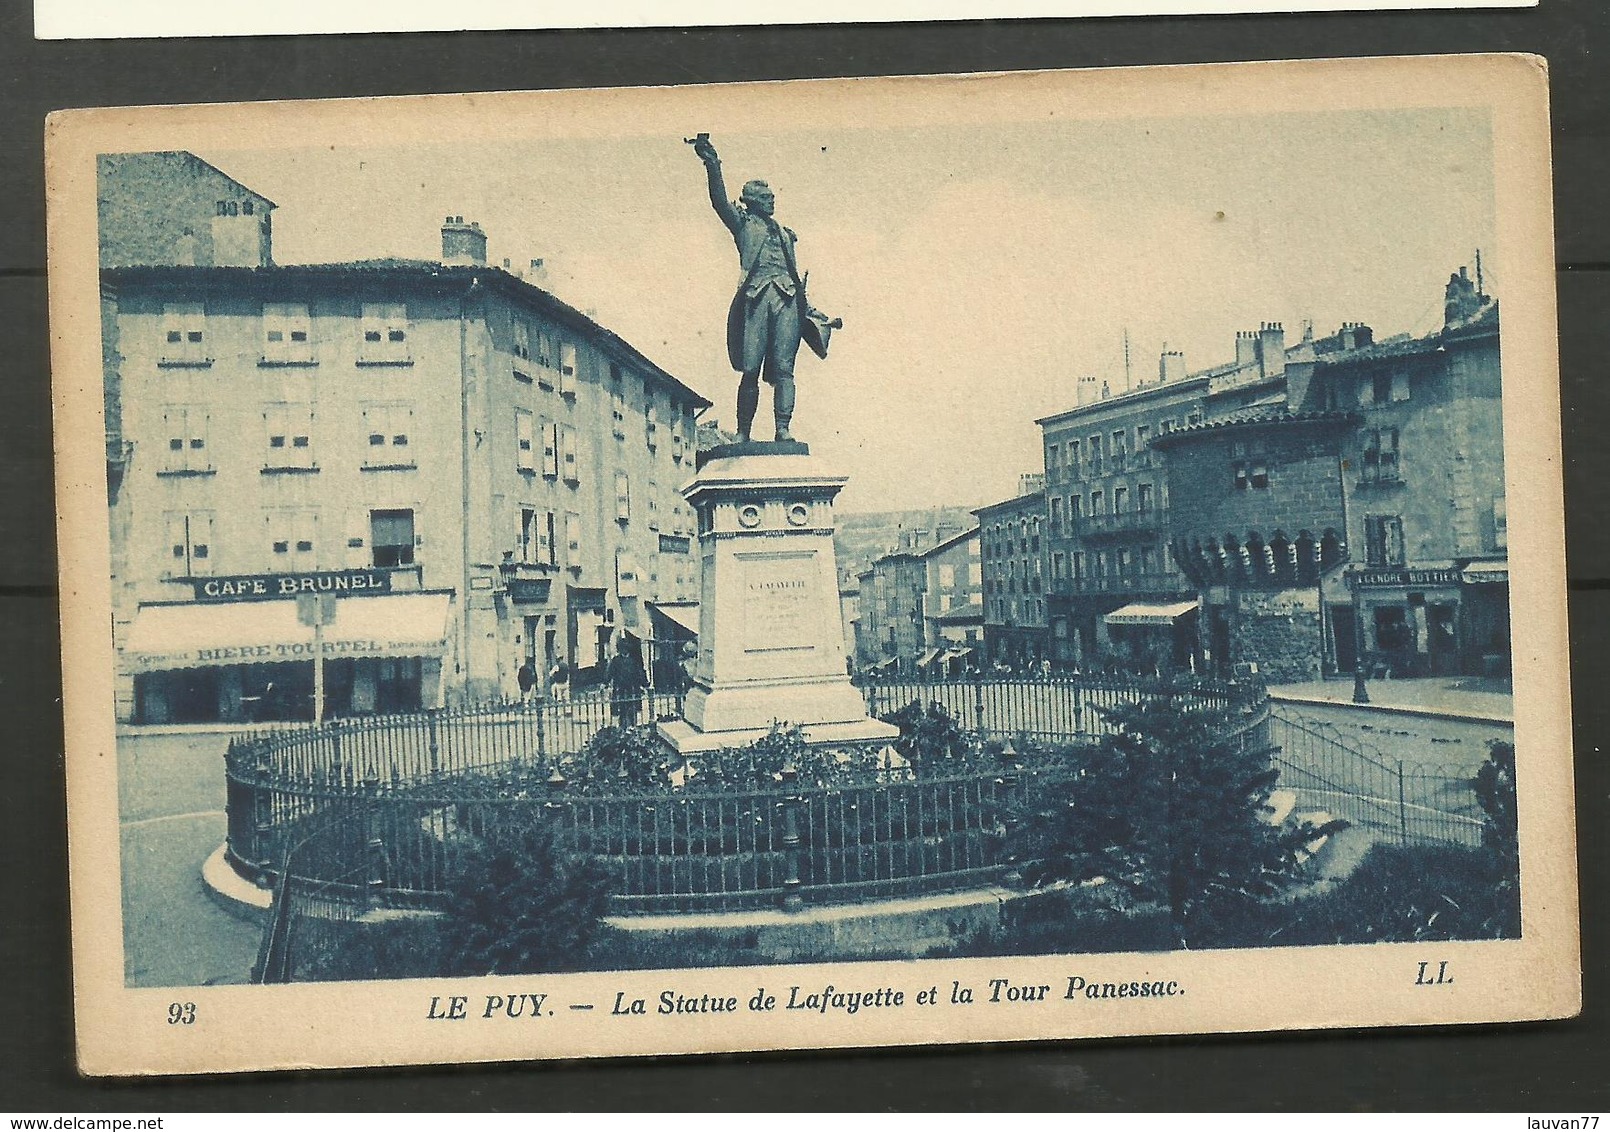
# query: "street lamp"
[[1361, 694]]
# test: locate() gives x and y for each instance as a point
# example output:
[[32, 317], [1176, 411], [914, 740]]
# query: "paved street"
[[1456, 745], [171, 790]]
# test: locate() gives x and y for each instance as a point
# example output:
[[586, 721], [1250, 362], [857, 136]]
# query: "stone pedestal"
[[771, 644]]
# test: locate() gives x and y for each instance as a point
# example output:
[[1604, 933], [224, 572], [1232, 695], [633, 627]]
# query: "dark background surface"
[[1541, 1068]]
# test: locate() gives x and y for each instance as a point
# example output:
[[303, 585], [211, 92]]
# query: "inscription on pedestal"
[[779, 600]]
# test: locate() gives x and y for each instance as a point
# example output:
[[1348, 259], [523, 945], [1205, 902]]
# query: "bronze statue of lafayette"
[[770, 314]]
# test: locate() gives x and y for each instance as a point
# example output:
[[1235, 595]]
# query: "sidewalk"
[[1459, 697]]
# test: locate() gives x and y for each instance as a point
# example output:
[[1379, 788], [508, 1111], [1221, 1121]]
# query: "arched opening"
[[1307, 552], [1330, 549], [1254, 553], [1283, 557]]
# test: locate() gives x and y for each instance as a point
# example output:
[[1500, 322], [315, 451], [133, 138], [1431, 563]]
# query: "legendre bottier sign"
[[266, 587]]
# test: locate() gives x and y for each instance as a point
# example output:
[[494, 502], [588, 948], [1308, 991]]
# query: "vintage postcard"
[[812, 564]]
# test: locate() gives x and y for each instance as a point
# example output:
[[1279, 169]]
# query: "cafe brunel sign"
[[270, 587]]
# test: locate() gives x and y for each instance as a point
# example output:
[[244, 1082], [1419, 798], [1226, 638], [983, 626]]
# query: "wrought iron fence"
[[1410, 803], [398, 801]]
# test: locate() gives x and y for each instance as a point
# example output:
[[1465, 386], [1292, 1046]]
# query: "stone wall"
[[1279, 632]]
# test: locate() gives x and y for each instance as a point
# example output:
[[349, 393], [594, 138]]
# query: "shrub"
[[1172, 809], [520, 903]]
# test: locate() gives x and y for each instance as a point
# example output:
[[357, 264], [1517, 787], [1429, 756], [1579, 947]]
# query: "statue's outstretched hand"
[[704, 149]]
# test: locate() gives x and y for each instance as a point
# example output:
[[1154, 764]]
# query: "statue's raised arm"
[[706, 152]]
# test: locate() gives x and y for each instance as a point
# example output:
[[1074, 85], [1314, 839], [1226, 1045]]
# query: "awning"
[[683, 614], [927, 658], [954, 654], [266, 632], [1480, 572], [1149, 613]]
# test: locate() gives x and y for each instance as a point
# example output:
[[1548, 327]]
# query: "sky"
[[979, 271]]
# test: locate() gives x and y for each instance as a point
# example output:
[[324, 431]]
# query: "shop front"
[[246, 656], [1409, 619], [1154, 637]]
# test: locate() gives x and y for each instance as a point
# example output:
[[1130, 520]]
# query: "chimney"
[[1086, 392], [1246, 348], [463, 245], [1171, 366], [1461, 299], [1272, 349], [1355, 335], [1106, 391]]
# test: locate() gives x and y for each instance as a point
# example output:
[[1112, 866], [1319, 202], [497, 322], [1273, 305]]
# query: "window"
[[653, 498], [947, 576], [387, 436], [1095, 455], [1381, 455], [1076, 563], [623, 497], [391, 537], [525, 441], [521, 348], [569, 465], [1258, 474], [189, 544], [1098, 503], [1053, 454], [1381, 387], [1126, 560], [1148, 560], [1059, 565], [1400, 385], [529, 548], [184, 334], [287, 334], [617, 410], [975, 575], [184, 433], [1073, 457], [1074, 502], [550, 538], [651, 426], [1120, 449], [1383, 540], [1143, 498], [567, 369], [384, 339], [1143, 437], [1120, 500], [550, 449], [573, 540], [1056, 516], [545, 360], [288, 434], [292, 540], [1500, 523]]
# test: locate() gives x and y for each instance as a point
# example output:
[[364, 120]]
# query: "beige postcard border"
[[124, 1031]]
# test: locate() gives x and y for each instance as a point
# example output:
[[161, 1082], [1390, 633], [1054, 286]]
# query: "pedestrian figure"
[[626, 683], [526, 677], [559, 681]]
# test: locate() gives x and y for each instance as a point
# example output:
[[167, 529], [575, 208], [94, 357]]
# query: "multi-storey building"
[[478, 474], [1106, 507], [1362, 509], [918, 605], [1013, 556]]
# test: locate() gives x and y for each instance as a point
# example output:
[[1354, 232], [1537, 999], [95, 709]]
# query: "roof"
[[971, 532], [1193, 381], [422, 270], [1018, 501], [1251, 418], [972, 611]]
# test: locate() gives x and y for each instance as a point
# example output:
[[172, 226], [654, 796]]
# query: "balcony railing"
[[1123, 584], [1150, 519]]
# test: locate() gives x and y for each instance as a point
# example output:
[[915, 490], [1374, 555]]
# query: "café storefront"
[[242, 653]]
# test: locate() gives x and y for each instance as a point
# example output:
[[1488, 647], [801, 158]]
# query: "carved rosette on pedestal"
[[771, 645]]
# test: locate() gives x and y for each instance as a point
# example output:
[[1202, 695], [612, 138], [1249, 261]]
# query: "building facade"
[[1362, 513], [917, 607], [1014, 552], [1107, 509], [479, 475]]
